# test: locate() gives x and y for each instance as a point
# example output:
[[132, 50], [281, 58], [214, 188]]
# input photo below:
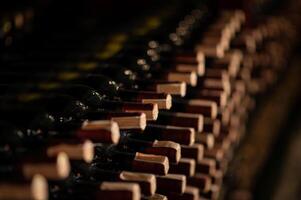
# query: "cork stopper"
[[217, 177], [217, 73], [151, 111], [197, 67], [215, 153], [206, 107], [181, 135], [147, 182], [240, 15], [226, 116], [155, 197], [207, 139], [172, 88], [217, 96], [120, 190], [212, 125], [200, 181], [216, 127], [223, 99], [39, 188], [83, 151], [150, 163], [189, 78], [195, 151], [186, 166], [192, 120], [189, 57], [235, 63], [36, 190], [55, 171], [206, 166], [190, 193], [218, 84], [165, 103], [106, 131], [131, 122], [213, 193], [217, 51], [175, 181], [168, 148]]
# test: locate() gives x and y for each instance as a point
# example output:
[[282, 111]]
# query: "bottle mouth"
[[151, 163], [168, 148], [39, 187], [210, 141], [79, 151], [177, 88], [101, 130], [138, 121], [131, 189], [150, 110], [162, 103], [143, 121], [88, 151], [115, 132], [141, 177], [63, 165], [155, 112], [175, 181]]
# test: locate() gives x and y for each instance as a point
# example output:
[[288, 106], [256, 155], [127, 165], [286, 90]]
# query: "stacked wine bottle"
[[151, 112]]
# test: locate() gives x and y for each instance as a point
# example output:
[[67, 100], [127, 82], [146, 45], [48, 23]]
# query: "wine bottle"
[[124, 76], [36, 124], [118, 73], [85, 94], [81, 92], [58, 105], [142, 68], [93, 99], [100, 83], [138, 66], [150, 110]]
